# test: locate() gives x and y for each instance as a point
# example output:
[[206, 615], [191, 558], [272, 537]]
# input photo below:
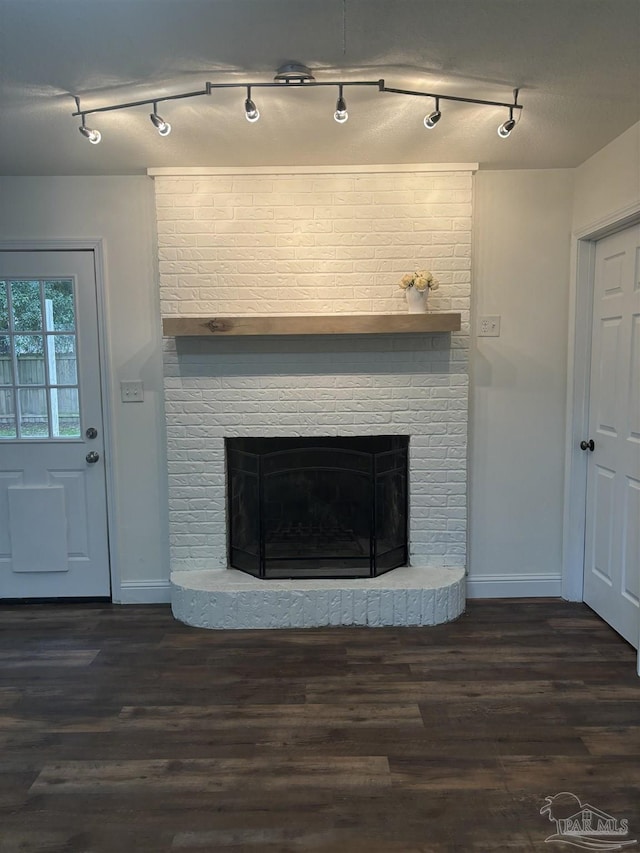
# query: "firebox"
[[324, 507]]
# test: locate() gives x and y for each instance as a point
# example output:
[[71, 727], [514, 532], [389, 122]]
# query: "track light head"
[[506, 127], [432, 119], [94, 136], [163, 127], [251, 112], [341, 114]]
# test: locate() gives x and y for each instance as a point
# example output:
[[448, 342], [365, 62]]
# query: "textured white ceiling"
[[577, 63]]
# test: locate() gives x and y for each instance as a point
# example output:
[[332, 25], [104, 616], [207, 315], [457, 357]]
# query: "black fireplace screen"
[[317, 507]]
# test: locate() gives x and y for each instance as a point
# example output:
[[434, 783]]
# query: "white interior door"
[[53, 512], [612, 542]]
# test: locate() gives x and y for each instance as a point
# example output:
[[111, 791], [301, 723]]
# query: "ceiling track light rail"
[[294, 76], [515, 105]]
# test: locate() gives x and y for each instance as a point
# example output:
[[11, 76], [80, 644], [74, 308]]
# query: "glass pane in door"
[[63, 370], [62, 314], [4, 307], [26, 309], [7, 414], [6, 362], [34, 417], [65, 413], [29, 351], [38, 360]]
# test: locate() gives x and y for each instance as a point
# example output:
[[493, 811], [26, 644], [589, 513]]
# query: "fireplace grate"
[[315, 536]]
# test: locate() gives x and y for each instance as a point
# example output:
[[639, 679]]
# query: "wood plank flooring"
[[123, 730]]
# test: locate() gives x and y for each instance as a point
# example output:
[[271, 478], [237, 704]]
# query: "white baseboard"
[[514, 586], [156, 591]]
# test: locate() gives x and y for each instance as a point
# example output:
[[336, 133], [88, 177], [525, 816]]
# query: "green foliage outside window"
[[27, 314]]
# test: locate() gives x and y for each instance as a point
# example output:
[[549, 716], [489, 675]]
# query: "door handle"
[[92, 457], [587, 445]]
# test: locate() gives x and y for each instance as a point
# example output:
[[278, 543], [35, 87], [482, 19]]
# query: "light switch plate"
[[132, 392], [489, 326]]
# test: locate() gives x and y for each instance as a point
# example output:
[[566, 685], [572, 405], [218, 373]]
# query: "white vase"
[[416, 300]]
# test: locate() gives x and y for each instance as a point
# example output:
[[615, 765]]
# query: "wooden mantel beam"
[[311, 324]]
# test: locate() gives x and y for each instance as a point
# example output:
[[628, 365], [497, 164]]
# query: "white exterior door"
[[612, 541], [53, 512]]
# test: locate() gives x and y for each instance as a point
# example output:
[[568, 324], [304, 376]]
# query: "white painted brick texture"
[[311, 244], [314, 244]]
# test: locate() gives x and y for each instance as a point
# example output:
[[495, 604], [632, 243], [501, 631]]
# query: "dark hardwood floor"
[[123, 730]]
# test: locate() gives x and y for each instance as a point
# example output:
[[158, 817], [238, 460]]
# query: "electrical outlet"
[[489, 326], [132, 392]]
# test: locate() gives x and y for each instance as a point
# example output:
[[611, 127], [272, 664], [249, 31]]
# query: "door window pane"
[[38, 360], [34, 419], [65, 413], [4, 309], [63, 369], [29, 345], [26, 310], [59, 307], [30, 358], [7, 414], [6, 363]]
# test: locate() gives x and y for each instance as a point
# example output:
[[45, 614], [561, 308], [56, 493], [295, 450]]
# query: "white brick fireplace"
[[322, 243]]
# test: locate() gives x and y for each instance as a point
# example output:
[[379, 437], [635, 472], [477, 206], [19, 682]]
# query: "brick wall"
[[321, 243]]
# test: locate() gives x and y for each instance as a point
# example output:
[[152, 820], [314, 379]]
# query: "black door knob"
[[587, 445]]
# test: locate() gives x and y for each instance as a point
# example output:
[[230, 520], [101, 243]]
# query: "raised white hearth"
[[234, 600]]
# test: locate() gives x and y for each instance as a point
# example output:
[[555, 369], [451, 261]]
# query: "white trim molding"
[[605, 225], [578, 382], [203, 171], [515, 586], [155, 591], [95, 245]]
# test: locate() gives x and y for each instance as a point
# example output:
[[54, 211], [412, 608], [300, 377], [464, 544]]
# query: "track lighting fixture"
[[251, 112], [341, 114], [294, 75], [507, 126], [433, 118], [94, 136], [163, 127]]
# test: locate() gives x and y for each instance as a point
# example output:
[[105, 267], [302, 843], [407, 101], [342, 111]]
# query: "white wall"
[[522, 223], [121, 211], [609, 181], [521, 270]]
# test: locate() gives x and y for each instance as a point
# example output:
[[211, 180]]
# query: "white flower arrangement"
[[421, 280]]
